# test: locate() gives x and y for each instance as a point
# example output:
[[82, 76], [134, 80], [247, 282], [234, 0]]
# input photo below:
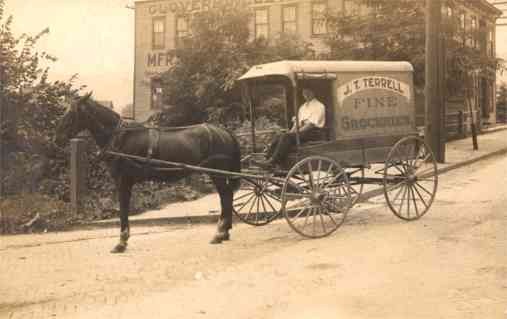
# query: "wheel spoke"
[[310, 175], [395, 165], [415, 203], [257, 213], [302, 175], [408, 201], [264, 210], [299, 213], [398, 194], [268, 194], [322, 221], [421, 197], [314, 223], [402, 198], [329, 214], [245, 203], [251, 207], [242, 196], [333, 178], [423, 188], [269, 203], [306, 219], [400, 158]]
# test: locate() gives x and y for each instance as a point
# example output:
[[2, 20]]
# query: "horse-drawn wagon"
[[369, 123], [370, 119]]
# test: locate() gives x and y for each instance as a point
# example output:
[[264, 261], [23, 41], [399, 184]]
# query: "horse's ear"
[[88, 95]]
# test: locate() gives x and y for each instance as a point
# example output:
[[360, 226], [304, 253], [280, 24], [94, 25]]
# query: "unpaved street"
[[450, 264]]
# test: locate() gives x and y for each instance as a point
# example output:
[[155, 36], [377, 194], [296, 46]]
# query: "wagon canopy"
[[321, 69]]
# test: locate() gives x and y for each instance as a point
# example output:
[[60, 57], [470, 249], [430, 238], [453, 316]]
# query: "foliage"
[[36, 102], [395, 30], [219, 49], [501, 103]]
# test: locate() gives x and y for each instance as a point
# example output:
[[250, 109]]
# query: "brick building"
[[159, 24]]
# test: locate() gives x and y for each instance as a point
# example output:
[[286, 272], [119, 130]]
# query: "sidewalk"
[[459, 153]]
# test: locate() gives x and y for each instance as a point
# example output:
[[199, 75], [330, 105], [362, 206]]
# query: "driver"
[[312, 119]]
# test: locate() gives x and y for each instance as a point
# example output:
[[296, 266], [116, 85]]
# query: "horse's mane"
[[100, 112]]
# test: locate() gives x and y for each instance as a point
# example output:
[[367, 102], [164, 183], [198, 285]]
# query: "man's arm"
[[305, 127]]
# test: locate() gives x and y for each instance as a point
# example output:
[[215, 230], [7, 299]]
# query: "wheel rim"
[[410, 178], [257, 203], [316, 197]]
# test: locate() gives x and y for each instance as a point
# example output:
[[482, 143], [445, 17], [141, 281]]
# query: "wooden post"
[[2, 155], [78, 173], [461, 124], [435, 129]]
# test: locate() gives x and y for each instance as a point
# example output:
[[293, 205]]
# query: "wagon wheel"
[[410, 178], [257, 202], [316, 196], [356, 177]]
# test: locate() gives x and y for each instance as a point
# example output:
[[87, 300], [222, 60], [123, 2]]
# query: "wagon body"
[[369, 105]]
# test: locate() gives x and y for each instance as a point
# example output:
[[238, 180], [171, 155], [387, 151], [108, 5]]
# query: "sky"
[[95, 38]]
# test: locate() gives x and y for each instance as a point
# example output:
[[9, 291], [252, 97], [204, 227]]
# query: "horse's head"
[[73, 121]]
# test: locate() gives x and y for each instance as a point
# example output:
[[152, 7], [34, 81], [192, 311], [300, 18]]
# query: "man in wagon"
[[312, 118]]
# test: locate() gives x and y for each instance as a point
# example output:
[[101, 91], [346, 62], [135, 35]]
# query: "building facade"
[[160, 23]]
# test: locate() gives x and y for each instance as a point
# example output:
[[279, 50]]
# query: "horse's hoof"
[[216, 240], [118, 249], [226, 237]]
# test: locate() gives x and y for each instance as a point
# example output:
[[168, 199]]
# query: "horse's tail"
[[236, 163]]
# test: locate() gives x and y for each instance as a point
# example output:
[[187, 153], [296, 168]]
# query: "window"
[[182, 29], [474, 43], [158, 33], [462, 27], [351, 8], [319, 18], [449, 12], [490, 44], [156, 93], [289, 19], [261, 23]]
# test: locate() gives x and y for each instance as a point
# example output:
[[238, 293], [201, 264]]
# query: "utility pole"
[[434, 74], [2, 155]]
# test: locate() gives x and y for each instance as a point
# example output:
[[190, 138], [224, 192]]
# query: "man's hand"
[[306, 125]]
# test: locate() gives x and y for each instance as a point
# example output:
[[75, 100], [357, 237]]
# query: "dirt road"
[[450, 264]]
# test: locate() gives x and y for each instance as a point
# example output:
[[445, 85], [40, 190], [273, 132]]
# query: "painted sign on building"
[[375, 105], [192, 6]]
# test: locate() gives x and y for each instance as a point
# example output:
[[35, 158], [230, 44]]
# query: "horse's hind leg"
[[225, 221], [124, 187]]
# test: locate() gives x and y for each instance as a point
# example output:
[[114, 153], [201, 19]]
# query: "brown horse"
[[203, 145]]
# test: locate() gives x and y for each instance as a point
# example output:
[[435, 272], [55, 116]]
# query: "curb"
[[213, 219], [440, 171]]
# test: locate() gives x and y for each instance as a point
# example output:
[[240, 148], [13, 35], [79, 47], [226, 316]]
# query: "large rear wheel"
[[410, 178], [316, 197]]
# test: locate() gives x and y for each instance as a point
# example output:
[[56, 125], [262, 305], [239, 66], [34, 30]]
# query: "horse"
[[203, 145]]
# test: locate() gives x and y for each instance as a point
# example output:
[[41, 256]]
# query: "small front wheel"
[[410, 178], [316, 197], [257, 203]]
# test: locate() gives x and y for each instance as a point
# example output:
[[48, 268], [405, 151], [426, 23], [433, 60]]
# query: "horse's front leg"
[[225, 221], [124, 187]]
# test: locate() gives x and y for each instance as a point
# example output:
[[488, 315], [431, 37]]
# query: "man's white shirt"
[[314, 112]]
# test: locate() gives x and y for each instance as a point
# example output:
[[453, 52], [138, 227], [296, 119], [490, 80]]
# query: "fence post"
[[78, 174], [461, 124]]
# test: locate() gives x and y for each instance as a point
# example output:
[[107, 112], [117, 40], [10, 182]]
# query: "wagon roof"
[[291, 68]]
